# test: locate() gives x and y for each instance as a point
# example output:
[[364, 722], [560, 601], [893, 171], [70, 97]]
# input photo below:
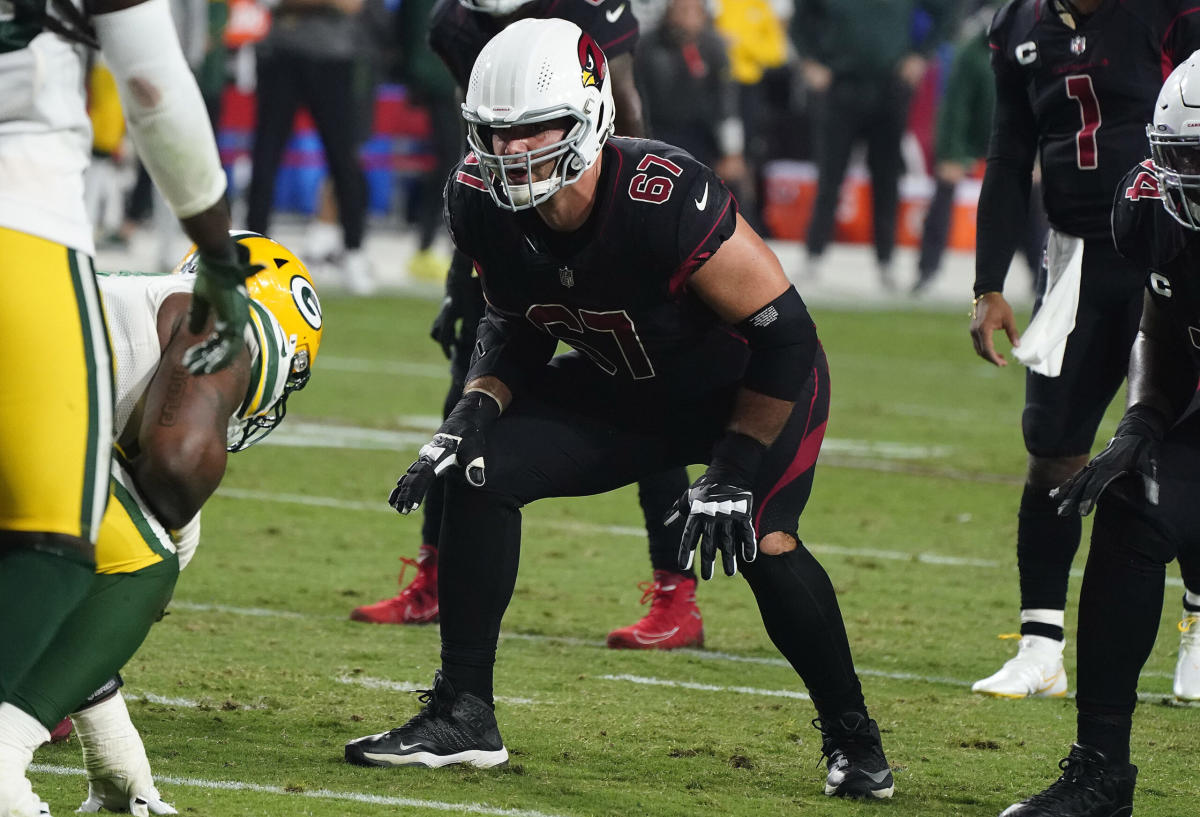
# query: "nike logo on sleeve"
[[612, 15], [702, 202]]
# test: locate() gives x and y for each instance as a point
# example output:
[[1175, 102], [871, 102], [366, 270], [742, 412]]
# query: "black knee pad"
[[1125, 531], [1048, 434]]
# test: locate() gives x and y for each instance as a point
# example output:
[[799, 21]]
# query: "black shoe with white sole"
[[854, 756], [1090, 786], [452, 728]]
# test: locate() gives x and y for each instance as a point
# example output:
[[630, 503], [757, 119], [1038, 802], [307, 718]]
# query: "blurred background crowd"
[[850, 121]]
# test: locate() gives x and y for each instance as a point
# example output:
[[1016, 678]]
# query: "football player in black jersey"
[[1146, 481], [689, 345], [458, 31], [1075, 83]]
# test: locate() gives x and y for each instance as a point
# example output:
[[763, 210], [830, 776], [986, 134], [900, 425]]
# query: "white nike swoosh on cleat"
[[615, 14], [702, 202], [655, 638]]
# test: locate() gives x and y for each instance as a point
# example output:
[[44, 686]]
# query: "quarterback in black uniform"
[[689, 345], [459, 29], [1146, 481], [1075, 83]]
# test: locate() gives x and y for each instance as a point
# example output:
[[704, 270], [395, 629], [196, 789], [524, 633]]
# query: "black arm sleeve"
[[783, 345], [509, 349], [1162, 375], [1004, 197]]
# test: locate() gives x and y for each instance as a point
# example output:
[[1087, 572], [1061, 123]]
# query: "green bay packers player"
[[174, 429], [56, 404]]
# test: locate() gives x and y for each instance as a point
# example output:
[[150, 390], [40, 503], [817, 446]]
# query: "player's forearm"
[[1159, 379], [1000, 222], [210, 231], [758, 416], [176, 478], [494, 387]]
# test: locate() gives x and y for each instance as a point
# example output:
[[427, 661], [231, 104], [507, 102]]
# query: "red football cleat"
[[416, 604], [61, 732], [673, 621]]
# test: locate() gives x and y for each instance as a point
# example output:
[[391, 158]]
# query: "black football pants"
[[1120, 606], [1062, 413], [555, 443]]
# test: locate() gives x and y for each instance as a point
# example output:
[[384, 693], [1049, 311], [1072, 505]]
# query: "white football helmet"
[[531, 72], [1175, 142], [497, 8]]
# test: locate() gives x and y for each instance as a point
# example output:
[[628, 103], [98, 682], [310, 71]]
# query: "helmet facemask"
[[569, 163], [1177, 168], [245, 432]]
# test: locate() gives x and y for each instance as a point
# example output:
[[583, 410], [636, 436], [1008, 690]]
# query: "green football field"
[[247, 691]]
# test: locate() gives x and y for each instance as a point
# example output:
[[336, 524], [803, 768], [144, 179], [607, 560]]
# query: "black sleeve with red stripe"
[[707, 218], [611, 23], [463, 187]]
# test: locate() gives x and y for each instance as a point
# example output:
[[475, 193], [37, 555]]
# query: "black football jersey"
[[616, 288], [457, 34], [1085, 95], [1144, 232]]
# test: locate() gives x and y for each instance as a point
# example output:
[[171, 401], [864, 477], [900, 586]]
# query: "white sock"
[[111, 743], [1191, 599], [1044, 616], [20, 735]]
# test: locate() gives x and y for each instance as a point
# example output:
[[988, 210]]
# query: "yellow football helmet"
[[285, 324]]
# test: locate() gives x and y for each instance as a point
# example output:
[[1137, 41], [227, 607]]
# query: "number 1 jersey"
[[1085, 94], [616, 289]]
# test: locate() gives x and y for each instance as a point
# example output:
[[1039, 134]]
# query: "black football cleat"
[[854, 756], [1090, 786], [452, 728]]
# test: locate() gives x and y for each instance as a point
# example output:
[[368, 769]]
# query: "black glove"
[[221, 288], [1132, 450], [461, 292], [447, 325], [460, 441], [719, 508]]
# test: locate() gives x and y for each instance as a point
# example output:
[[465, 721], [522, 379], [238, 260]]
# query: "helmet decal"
[[591, 61], [306, 301]]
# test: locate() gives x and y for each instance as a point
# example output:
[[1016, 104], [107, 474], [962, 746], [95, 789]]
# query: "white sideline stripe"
[[318, 794], [408, 686], [629, 530], [301, 434], [662, 682]]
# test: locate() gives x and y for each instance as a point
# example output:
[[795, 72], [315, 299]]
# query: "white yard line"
[[925, 558], [662, 682], [408, 686], [318, 794], [629, 530], [418, 429]]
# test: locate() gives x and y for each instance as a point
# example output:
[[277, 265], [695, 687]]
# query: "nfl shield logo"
[[566, 277], [1078, 45]]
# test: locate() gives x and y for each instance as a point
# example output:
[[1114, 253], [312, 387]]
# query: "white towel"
[[1045, 340]]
